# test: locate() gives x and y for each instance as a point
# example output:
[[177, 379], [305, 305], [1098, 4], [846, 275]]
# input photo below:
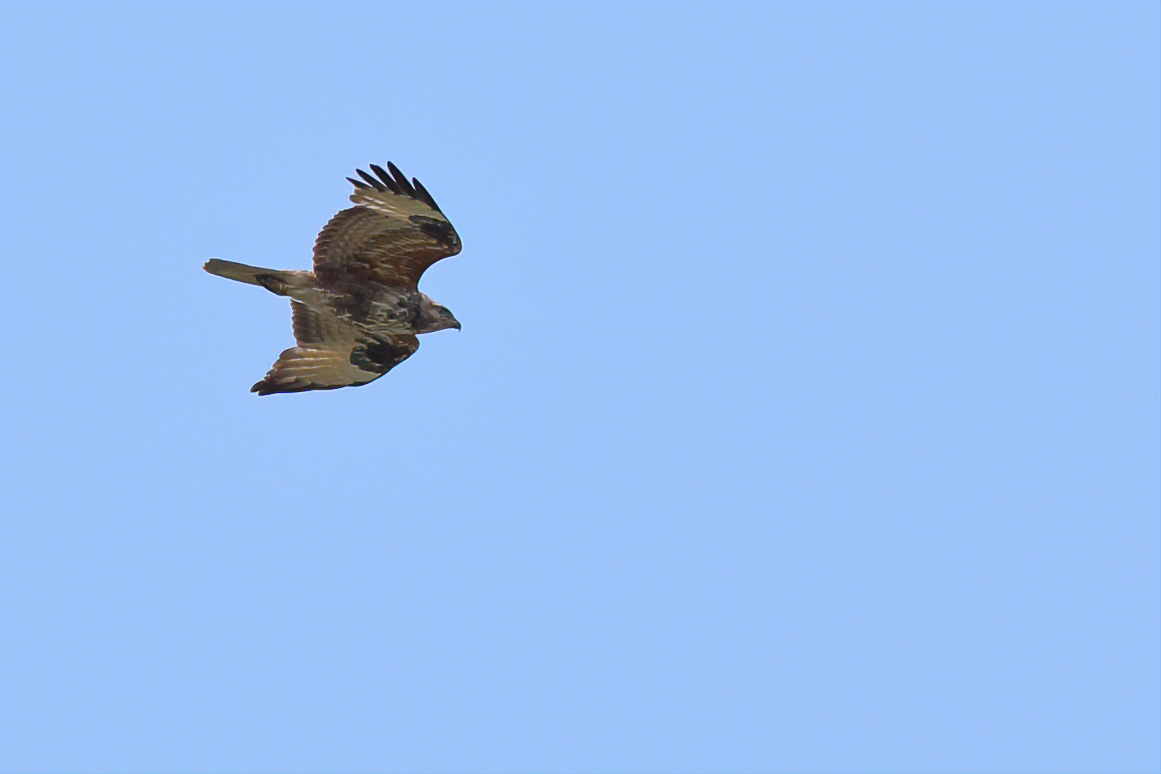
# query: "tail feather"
[[238, 271], [274, 280]]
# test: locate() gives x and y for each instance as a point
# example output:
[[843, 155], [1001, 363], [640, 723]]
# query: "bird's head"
[[433, 317]]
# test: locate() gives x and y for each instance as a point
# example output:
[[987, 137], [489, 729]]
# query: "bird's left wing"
[[391, 237], [332, 353]]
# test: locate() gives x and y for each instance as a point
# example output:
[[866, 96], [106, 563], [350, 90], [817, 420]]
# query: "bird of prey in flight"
[[357, 314]]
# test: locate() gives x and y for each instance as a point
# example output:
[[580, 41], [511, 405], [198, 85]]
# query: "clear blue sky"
[[805, 416]]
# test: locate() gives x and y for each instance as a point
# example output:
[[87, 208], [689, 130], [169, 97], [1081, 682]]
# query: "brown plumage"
[[357, 314]]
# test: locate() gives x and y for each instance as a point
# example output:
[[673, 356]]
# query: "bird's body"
[[356, 315]]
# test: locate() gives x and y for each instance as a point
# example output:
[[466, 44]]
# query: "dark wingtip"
[[401, 179], [268, 386], [422, 194], [358, 183], [388, 181], [372, 180]]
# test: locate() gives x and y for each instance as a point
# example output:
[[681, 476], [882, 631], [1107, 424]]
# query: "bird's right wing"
[[331, 353]]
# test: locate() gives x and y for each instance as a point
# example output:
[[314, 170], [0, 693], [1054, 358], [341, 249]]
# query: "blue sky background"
[[805, 416]]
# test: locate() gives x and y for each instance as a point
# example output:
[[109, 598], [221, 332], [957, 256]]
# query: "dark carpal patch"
[[439, 230], [379, 355]]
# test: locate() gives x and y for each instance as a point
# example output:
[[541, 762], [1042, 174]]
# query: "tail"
[[274, 280]]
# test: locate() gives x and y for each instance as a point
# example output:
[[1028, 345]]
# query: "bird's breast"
[[391, 313]]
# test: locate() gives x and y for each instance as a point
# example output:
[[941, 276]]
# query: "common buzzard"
[[357, 314]]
